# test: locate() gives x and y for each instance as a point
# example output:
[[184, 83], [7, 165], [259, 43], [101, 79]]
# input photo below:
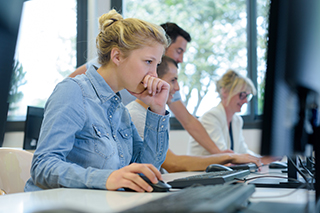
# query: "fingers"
[[128, 177], [246, 158], [153, 85]]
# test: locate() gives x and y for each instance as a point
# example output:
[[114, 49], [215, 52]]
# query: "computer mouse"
[[278, 165], [157, 187], [217, 167]]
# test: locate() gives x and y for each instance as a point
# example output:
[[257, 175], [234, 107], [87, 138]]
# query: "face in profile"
[[177, 49], [171, 77], [238, 100], [139, 63]]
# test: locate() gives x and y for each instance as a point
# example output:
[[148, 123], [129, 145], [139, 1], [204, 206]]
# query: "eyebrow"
[[179, 48]]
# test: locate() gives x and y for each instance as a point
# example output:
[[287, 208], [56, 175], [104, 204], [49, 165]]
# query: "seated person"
[[179, 39], [221, 122], [87, 138], [167, 71]]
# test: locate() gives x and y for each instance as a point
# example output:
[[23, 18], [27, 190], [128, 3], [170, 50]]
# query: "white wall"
[[178, 140]]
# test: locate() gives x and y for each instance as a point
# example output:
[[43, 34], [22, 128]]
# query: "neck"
[[142, 103], [229, 113], [108, 73]]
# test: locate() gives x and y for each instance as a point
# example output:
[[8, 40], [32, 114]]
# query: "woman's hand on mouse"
[[155, 95], [128, 177]]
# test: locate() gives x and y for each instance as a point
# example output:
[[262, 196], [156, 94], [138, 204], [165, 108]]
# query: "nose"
[[153, 72], [176, 87], [180, 58]]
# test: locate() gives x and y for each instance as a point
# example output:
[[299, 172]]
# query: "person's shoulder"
[[213, 111]]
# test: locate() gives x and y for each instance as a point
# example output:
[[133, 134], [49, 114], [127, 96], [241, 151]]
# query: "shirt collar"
[[103, 90]]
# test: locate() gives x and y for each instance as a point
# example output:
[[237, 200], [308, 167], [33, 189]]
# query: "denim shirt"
[[87, 133]]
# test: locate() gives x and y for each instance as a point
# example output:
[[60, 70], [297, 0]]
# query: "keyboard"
[[210, 178], [217, 198], [246, 166]]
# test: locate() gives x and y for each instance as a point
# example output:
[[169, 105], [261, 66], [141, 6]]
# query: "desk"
[[88, 200]]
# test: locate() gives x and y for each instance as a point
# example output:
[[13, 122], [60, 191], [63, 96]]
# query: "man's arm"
[[179, 163], [80, 70], [194, 127]]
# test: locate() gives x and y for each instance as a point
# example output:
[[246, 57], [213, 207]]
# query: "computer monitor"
[[291, 109], [32, 127], [10, 14]]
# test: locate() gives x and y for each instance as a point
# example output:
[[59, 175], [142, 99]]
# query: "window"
[[45, 53], [51, 43], [221, 32]]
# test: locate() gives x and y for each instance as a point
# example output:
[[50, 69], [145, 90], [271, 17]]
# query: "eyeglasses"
[[243, 95]]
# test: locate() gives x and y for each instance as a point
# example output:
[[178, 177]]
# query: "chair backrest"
[[32, 127], [15, 167]]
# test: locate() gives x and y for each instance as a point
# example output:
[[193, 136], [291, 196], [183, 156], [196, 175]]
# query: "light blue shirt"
[[87, 133]]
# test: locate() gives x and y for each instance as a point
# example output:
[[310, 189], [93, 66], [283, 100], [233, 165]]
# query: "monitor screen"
[[292, 78], [10, 14]]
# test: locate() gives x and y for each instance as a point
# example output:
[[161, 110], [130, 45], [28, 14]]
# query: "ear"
[[224, 93], [115, 55]]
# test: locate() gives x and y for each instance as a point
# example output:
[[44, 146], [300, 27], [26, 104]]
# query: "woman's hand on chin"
[[155, 95]]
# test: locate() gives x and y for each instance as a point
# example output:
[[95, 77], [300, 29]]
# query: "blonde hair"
[[126, 34], [234, 83]]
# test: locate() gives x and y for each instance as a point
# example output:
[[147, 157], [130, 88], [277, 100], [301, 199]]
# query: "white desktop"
[[90, 200]]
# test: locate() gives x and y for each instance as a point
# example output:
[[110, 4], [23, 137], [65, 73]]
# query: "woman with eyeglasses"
[[221, 122]]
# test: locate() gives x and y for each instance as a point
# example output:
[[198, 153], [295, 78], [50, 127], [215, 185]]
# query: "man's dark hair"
[[162, 68], [173, 31]]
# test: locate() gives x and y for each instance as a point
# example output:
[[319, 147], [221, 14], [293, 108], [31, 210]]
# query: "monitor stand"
[[270, 182]]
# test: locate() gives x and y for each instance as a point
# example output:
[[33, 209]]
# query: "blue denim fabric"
[[87, 133]]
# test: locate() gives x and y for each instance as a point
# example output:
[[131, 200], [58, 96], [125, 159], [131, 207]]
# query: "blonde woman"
[[222, 123], [87, 138]]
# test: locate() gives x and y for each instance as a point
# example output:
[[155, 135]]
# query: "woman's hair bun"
[[108, 19]]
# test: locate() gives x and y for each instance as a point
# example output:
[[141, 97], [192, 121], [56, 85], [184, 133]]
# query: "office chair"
[[15, 167], [32, 127]]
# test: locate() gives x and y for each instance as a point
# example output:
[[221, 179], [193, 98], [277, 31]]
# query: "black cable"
[[305, 168], [299, 171]]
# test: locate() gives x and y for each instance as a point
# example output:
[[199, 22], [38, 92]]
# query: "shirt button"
[[114, 136], [126, 135], [110, 116], [121, 156], [116, 99], [163, 119], [99, 133], [162, 126]]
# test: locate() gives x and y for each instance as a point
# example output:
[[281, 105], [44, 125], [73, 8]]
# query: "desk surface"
[[88, 200]]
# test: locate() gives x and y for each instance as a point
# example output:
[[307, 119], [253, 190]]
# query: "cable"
[[299, 171], [305, 168], [279, 196]]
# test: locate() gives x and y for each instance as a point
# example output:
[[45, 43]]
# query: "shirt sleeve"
[[64, 116], [156, 140], [176, 96]]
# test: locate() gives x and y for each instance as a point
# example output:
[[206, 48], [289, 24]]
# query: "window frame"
[[251, 121], [82, 32]]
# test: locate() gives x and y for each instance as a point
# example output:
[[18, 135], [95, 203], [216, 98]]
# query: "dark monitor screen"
[[292, 78], [291, 100], [10, 14], [32, 127]]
